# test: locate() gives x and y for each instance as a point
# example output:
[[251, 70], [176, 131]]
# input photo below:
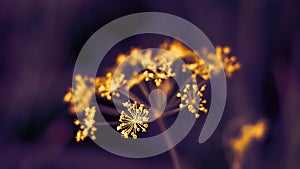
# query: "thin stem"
[[132, 97], [172, 151], [201, 83], [106, 123], [173, 101], [171, 112], [109, 110], [143, 87]]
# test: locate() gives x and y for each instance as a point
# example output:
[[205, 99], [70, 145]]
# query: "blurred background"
[[41, 39]]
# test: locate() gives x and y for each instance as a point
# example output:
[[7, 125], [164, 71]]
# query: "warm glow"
[[157, 68], [134, 121], [87, 127]]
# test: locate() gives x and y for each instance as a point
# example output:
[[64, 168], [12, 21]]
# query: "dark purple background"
[[40, 41]]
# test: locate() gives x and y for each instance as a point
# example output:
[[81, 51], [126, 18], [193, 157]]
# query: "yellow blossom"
[[192, 98], [134, 121], [81, 94], [108, 86], [87, 127]]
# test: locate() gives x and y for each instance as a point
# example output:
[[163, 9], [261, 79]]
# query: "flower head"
[[230, 63], [198, 67], [192, 98], [108, 86], [133, 122], [159, 66], [87, 127], [177, 49], [81, 95]]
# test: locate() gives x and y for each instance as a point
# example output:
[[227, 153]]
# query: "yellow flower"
[[133, 122], [81, 95], [158, 67], [192, 98], [177, 49], [229, 63], [87, 127], [198, 68], [108, 86]]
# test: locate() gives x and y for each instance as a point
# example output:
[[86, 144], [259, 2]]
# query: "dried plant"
[[87, 126], [192, 98], [134, 121], [157, 67]]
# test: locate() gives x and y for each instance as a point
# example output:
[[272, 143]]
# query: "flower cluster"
[[108, 86], [87, 126], [215, 63], [192, 98], [81, 95], [134, 121], [158, 67]]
